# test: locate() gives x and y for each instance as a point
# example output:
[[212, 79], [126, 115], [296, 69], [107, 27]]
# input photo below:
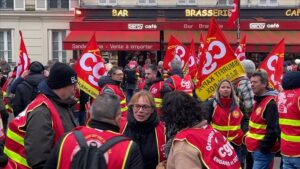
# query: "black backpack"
[[34, 90], [92, 157], [131, 75]]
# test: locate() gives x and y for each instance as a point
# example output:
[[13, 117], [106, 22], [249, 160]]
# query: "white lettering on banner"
[[75, 46], [226, 163], [226, 150], [271, 68], [135, 26], [186, 84], [210, 136], [209, 58], [257, 25], [179, 54], [273, 26], [151, 26]]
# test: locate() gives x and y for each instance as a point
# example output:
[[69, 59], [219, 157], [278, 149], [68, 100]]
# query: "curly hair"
[[180, 111]]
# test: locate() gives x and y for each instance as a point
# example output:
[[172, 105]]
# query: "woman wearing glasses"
[[144, 127]]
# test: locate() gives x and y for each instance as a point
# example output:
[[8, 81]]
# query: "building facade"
[[52, 29]]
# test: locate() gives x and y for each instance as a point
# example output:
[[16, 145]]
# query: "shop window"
[[225, 2], [6, 45], [6, 4], [108, 2], [186, 2], [268, 3], [58, 4], [57, 46], [147, 2]]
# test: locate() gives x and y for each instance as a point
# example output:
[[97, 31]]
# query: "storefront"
[[143, 32]]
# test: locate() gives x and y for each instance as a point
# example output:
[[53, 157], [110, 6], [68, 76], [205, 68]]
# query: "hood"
[[104, 80], [178, 72], [291, 80], [270, 92], [35, 79]]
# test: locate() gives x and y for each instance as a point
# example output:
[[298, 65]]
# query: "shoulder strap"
[[80, 138], [108, 144]]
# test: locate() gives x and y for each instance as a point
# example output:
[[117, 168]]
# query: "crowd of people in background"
[[243, 125]]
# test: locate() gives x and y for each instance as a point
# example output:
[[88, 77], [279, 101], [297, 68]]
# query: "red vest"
[[119, 92], [257, 126], [289, 121], [14, 142], [229, 124], [186, 84], [159, 134], [214, 149], [116, 157]]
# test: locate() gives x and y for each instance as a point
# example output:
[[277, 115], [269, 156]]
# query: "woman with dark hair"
[[192, 142], [144, 127]]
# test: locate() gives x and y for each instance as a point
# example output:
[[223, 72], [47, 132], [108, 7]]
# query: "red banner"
[[234, 13], [24, 60], [273, 65], [90, 67], [218, 62], [192, 62], [175, 50], [240, 51]]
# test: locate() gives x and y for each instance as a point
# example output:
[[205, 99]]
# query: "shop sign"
[[262, 26], [292, 12], [140, 26], [116, 46], [207, 12]]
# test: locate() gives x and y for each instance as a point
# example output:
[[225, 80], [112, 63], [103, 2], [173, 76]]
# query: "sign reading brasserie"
[[207, 12]]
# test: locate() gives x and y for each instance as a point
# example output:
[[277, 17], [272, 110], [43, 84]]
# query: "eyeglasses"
[[144, 107]]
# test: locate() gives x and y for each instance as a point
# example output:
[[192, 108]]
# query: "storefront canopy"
[[257, 41], [114, 40]]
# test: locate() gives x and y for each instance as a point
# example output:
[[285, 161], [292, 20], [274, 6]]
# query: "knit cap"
[[61, 75]]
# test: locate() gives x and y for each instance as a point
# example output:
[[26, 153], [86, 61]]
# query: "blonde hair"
[[144, 94], [232, 94]]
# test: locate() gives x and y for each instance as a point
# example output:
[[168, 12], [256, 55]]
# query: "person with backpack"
[[34, 132], [132, 75], [99, 145], [27, 90]]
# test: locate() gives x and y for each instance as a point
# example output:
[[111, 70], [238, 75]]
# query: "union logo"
[[235, 114], [153, 90], [258, 111]]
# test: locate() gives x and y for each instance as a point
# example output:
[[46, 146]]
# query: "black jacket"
[[291, 80], [24, 91], [134, 156], [143, 133]]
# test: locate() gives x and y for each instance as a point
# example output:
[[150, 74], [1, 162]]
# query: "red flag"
[[192, 62], [218, 62], [24, 60], [273, 65], [240, 51], [201, 48], [90, 67], [175, 50], [234, 13]]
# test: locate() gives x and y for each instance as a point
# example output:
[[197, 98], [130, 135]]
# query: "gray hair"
[[105, 106], [175, 64]]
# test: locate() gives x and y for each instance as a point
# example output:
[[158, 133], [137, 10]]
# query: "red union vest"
[[229, 124], [116, 156], [117, 90], [214, 149], [159, 134], [289, 121], [257, 126], [186, 84], [14, 142]]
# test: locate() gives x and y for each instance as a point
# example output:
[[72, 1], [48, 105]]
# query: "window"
[[5, 45], [225, 2], [186, 2], [268, 3], [54, 4], [6, 4], [19, 4], [57, 46], [147, 2], [40, 5], [108, 2]]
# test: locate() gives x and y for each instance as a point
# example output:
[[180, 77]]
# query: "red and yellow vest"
[[14, 142], [229, 124], [214, 149], [119, 92], [160, 136], [258, 126], [186, 84], [289, 121], [116, 156]]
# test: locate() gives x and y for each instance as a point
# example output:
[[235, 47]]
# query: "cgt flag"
[[234, 13], [218, 62], [273, 65], [240, 51], [192, 62], [90, 67], [24, 60], [176, 50]]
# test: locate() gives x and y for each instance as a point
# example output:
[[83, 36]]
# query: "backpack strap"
[[80, 138], [111, 142]]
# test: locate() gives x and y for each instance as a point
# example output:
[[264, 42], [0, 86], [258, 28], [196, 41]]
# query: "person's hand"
[[25, 74], [46, 73], [162, 165]]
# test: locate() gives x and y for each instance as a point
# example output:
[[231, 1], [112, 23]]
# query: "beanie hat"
[[61, 75], [36, 67], [249, 66]]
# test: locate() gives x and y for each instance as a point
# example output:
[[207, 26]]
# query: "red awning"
[[114, 40], [257, 41]]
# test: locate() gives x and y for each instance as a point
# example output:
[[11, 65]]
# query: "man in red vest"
[[289, 119], [263, 135], [33, 133], [104, 125]]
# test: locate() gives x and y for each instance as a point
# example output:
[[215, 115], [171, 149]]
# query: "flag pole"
[[238, 23]]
